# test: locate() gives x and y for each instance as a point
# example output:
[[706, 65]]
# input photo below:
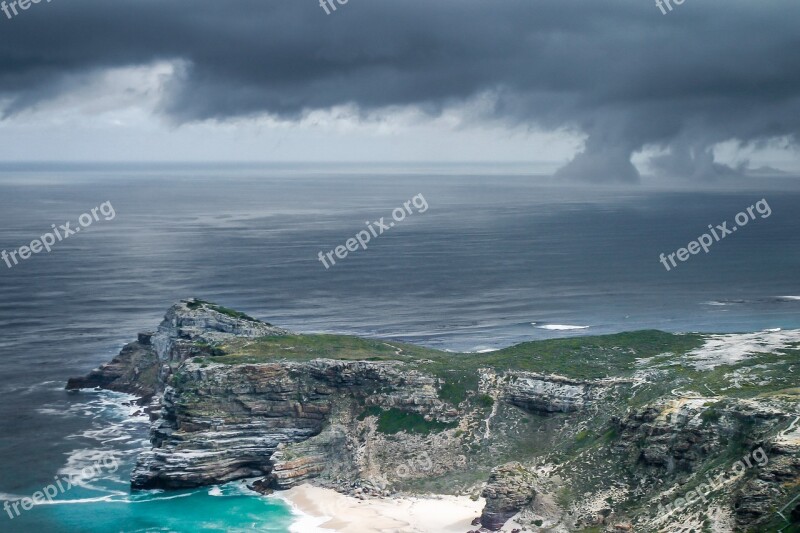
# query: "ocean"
[[499, 257]]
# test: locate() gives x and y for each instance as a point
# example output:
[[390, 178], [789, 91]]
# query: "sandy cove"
[[327, 510]]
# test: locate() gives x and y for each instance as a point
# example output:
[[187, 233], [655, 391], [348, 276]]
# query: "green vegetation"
[[209, 349], [610, 435], [308, 347], [761, 374], [393, 421], [457, 386], [485, 401], [197, 304], [710, 415], [594, 357], [180, 379], [664, 373], [194, 305], [232, 313], [564, 496], [579, 357], [372, 410]]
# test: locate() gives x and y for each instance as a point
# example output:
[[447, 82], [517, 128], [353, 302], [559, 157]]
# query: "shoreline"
[[328, 511]]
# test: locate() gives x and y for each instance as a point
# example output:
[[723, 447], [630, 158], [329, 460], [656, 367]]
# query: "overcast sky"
[[585, 87]]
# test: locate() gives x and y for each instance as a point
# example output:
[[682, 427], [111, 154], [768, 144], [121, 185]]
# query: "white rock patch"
[[732, 348]]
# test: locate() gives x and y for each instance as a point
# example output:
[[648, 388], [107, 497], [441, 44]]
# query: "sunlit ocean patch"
[[32, 389], [483, 349], [108, 498], [558, 327], [723, 303]]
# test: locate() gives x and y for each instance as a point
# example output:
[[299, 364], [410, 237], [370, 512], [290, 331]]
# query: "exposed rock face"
[[134, 371], [675, 435], [680, 434], [551, 394], [328, 452], [215, 423], [510, 489], [677, 438], [224, 422], [345, 424], [138, 368], [753, 501], [194, 320]]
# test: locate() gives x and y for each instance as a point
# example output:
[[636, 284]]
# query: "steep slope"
[[643, 431]]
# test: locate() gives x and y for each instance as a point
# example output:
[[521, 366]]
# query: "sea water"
[[498, 258]]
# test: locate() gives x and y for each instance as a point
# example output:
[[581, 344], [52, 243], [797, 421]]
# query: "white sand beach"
[[328, 510]]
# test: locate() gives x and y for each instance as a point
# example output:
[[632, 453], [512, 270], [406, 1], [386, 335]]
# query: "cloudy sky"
[[579, 87]]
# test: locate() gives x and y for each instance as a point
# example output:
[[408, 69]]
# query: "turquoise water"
[[230, 507], [102, 501]]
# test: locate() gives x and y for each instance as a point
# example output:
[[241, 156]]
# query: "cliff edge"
[[602, 433]]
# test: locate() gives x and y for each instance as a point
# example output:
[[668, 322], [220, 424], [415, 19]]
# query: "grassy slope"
[[619, 355], [579, 357], [594, 357]]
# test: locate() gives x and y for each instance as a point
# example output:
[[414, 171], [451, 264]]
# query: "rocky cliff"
[[575, 434]]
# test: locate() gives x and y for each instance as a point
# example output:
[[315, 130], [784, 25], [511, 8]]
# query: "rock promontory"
[[566, 434]]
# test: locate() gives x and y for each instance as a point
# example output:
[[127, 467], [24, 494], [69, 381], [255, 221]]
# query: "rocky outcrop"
[[676, 435], [224, 422], [753, 501], [189, 329], [511, 487], [546, 394], [195, 321], [134, 370], [326, 452], [680, 434], [216, 422], [378, 425]]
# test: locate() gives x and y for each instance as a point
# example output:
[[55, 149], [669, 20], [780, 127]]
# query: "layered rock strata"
[[376, 425]]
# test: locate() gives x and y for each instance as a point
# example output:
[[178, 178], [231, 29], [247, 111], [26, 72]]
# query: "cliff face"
[[546, 394], [220, 424], [134, 370], [234, 398], [511, 487]]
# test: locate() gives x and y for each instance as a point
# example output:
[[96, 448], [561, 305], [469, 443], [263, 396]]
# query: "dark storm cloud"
[[618, 70]]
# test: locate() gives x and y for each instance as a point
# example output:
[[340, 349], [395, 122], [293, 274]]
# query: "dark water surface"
[[493, 261]]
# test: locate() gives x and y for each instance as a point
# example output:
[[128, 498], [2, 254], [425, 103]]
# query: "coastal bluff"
[[563, 434]]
